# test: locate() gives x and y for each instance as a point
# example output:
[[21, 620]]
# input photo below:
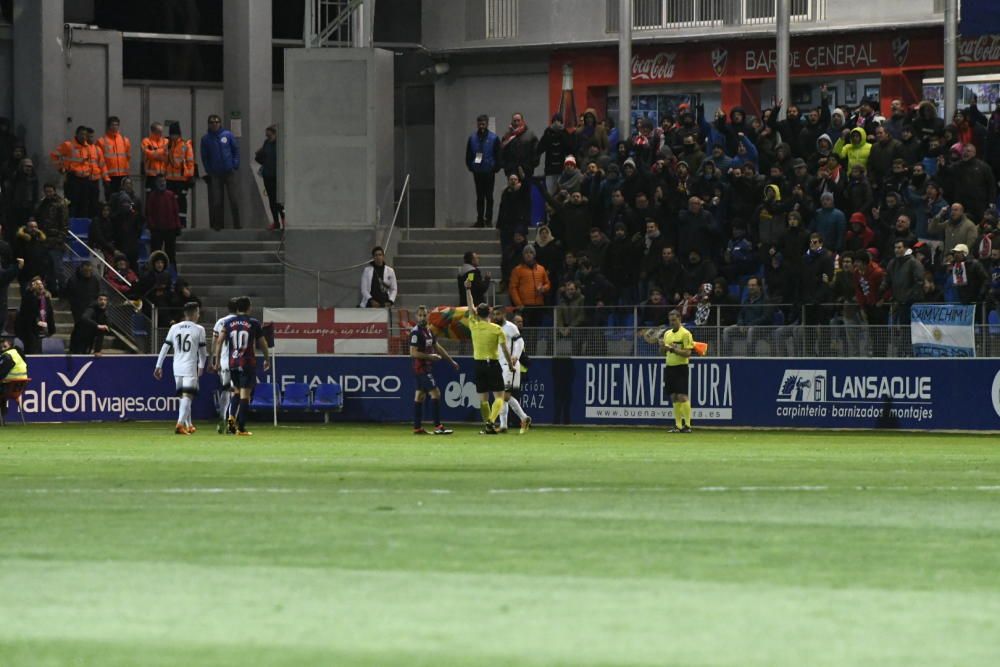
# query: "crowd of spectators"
[[820, 214], [95, 185]]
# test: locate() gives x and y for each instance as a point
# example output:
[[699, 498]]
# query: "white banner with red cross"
[[329, 330]]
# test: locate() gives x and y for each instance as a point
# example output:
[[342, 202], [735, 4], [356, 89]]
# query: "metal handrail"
[[318, 273], [98, 256]]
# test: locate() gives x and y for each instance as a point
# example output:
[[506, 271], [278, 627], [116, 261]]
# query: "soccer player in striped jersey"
[[187, 341], [244, 335]]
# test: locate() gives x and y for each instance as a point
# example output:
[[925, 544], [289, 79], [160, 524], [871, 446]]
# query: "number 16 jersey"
[[187, 340]]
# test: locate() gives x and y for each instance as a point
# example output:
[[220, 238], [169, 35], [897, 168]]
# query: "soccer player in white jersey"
[[511, 372], [187, 340], [226, 393]]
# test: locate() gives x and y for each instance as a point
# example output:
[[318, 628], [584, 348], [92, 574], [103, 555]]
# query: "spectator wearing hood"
[[82, 289], [634, 182], [853, 147], [155, 287], [838, 122], [927, 123], [768, 222], [519, 149], [550, 253], [592, 133], [956, 226], [859, 234], [123, 278], [480, 283], [90, 328], [556, 145]]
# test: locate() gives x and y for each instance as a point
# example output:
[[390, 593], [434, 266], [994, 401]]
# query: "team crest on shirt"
[[224, 140], [720, 56]]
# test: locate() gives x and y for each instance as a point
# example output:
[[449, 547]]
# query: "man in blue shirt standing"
[[220, 155], [482, 157]]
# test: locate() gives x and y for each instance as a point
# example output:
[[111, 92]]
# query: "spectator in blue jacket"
[[482, 158], [830, 223], [220, 155]]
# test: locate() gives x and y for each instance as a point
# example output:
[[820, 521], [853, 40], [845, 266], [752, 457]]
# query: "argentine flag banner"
[[943, 330]]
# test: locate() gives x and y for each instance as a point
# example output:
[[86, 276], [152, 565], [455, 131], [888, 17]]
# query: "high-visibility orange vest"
[[117, 150], [72, 157], [180, 160], [154, 155], [98, 170]]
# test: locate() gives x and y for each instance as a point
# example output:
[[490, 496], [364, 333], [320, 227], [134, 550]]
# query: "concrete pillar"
[[783, 47], [624, 70], [247, 94], [39, 79]]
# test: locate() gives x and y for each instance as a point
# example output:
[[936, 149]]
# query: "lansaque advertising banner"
[[924, 394]]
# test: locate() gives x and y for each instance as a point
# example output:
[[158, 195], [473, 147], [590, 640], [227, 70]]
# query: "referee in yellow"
[[678, 344], [487, 341]]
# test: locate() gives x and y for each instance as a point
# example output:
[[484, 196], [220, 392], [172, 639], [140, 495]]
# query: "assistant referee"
[[678, 345], [487, 340]]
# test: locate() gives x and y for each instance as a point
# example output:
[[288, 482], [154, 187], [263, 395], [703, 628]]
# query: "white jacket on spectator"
[[388, 282]]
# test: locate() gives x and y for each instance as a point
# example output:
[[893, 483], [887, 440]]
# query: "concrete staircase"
[[220, 265], [427, 263]]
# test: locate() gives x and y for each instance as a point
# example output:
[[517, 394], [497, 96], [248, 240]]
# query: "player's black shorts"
[[489, 376], [425, 382], [243, 378], [675, 379]]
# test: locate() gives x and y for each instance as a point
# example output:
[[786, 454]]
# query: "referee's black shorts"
[[489, 376], [675, 379]]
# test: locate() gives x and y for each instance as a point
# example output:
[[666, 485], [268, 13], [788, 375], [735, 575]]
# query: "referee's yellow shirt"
[[682, 338], [486, 339]]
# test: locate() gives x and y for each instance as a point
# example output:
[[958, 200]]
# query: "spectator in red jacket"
[[163, 219]]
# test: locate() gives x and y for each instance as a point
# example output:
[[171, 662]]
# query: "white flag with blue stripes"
[[943, 330]]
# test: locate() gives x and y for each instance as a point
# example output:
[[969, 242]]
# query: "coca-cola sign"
[[972, 50], [657, 67]]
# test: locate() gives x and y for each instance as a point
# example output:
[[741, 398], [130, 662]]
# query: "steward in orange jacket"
[[117, 151], [180, 168], [73, 159], [529, 281], [154, 155]]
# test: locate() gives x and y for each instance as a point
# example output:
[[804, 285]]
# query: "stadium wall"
[[924, 394]]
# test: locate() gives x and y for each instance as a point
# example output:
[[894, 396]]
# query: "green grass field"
[[124, 545]]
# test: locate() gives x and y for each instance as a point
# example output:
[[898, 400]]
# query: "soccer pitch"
[[124, 545]]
